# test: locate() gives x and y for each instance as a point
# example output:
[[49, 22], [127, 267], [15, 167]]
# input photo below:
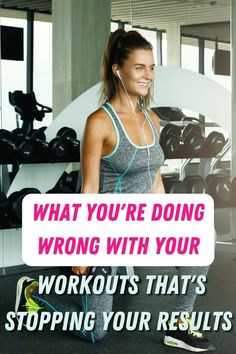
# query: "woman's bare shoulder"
[[97, 117], [155, 119], [98, 123]]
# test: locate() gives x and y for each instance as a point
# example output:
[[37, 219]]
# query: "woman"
[[121, 153]]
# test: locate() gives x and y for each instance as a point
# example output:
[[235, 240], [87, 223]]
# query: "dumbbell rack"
[[205, 167], [10, 238], [39, 174], [206, 160]]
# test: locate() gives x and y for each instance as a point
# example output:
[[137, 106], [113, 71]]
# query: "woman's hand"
[[80, 270]]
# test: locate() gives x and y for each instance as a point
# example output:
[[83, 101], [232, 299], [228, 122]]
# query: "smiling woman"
[[121, 151], [121, 138], [121, 154]]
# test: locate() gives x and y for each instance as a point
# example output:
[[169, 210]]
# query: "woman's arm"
[[91, 152]]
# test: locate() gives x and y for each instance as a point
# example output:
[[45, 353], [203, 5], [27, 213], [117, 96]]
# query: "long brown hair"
[[120, 45]]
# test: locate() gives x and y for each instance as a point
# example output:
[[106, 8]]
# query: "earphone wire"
[[141, 129]]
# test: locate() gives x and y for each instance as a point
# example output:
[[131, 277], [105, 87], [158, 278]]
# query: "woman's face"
[[137, 72]]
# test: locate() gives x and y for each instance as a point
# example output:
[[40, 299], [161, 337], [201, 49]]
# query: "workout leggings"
[[83, 303], [103, 303], [185, 302]]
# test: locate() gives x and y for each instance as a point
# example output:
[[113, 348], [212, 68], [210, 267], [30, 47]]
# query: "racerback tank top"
[[127, 169]]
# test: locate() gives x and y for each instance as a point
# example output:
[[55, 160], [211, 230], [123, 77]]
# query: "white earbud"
[[118, 74]]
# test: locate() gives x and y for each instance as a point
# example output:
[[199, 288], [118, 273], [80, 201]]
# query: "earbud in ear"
[[118, 74]]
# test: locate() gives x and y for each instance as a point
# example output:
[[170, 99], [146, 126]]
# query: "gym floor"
[[220, 296]]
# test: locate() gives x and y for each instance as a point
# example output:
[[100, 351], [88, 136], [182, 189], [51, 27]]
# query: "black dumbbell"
[[219, 187], [193, 140], [170, 140], [69, 136], [215, 142], [195, 184], [15, 147], [8, 148], [188, 142], [55, 151], [38, 139], [14, 207], [173, 185], [70, 180], [13, 151], [26, 149]]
